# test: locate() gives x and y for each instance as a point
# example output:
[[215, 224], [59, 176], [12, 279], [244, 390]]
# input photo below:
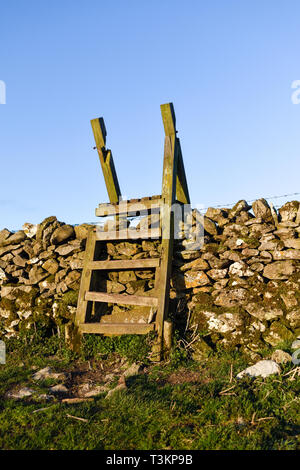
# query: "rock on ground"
[[260, 369]]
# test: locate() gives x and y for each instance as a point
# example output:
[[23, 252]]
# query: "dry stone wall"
[[237, 289]]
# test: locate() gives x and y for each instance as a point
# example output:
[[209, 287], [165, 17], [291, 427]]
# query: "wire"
[[251, 200]]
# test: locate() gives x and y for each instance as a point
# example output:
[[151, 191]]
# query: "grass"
[[175, 405]]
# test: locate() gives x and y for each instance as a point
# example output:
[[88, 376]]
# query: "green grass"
[[175, 405]]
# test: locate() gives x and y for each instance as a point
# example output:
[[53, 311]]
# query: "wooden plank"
[[106, 160], [169, 119], [124, 264], [121, 299], [182, 192], [130, 208], [85, 278], [117, 328], [167, 217], [132, 234]]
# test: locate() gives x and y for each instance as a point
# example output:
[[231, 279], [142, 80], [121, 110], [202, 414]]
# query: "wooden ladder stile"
[[174, 188]]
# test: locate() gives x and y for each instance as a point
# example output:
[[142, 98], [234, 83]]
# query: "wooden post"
[[85, 283], [167, 217], [182, 192], [106, 160]]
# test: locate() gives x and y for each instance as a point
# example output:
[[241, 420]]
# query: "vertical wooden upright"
[[167, 217], [106, 160]]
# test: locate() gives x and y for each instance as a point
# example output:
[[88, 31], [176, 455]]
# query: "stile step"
[[125, 264], [121, 299], [117, 328]]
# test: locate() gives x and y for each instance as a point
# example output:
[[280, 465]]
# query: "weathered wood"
[[128, 207], [168, 332], [169, 119], [182, 192], [174, 189], [129, 234], [122, 299], [167, 217], [85, 278], [124, 264], [106, 160], [117, 328]]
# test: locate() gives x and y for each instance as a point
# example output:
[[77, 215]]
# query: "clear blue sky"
[[227, 65]]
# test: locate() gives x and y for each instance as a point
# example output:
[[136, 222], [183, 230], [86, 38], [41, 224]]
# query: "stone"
[[127, 248], [293, 318], [288, 211], [19, 261], [249, 252], [22, 393], [237, 230], [292, 243], [281, 357], [118, 388], [198, 264], [30, 230], [295, 344], [126, 276], [216, 263], [277, 334], [51, 266], [3, 276], [195, 279], [145, 274], [136, 287], [94, 391], [224, 322], [47, 233], [262, 210], [235, 243], [271, 245], [240, 206], [188, 254], [260, 369], [134, 369], [59, 389], [72, 279], [263, 312], [14, 239], [81, 231], [37, 248], [286, 254], [257, 267], [62, 234], [279, 270], [231, 297], [231, 255], [289, 299], [114, 287], [76, 263], [240, 269], [43, 225], [210, 226], [37, 274], [215, 214], [4, 234], [217, 274], [48, 373], [285, 233]]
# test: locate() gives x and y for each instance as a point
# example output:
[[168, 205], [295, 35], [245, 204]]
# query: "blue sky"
[[227, 65]]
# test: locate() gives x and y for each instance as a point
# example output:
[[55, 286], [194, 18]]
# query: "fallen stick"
[[79, 419], [75, 400], [42, 409], [227, 390]]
